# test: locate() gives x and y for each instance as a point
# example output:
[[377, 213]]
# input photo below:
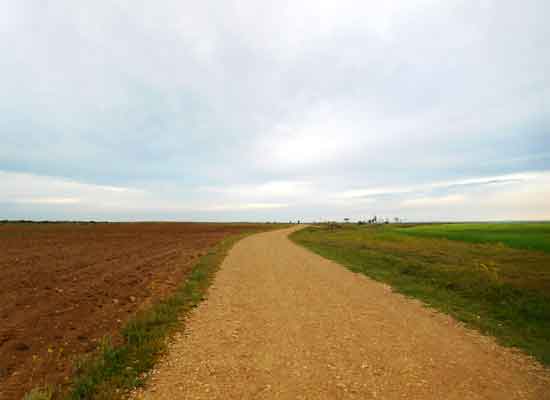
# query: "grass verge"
[[113, 371], [496, 289]]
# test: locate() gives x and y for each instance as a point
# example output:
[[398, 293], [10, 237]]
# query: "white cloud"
[[244, 207], [25, 188], [488, 180], [17, 185], [266, 190], [434, 201], [513, 196], [28, 190], [49, 200]]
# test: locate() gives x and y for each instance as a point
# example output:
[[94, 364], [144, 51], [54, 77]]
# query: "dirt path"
[[283, 323]]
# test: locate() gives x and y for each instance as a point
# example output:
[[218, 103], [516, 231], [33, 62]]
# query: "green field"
[[485, 276], [529, 236]]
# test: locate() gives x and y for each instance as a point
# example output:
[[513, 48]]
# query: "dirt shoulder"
[[281, 322]]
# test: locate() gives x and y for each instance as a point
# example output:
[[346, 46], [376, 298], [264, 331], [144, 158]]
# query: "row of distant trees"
[[377, 220], [374, 220]]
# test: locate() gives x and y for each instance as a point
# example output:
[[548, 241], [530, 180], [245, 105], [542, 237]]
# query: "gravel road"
[[283, 323]]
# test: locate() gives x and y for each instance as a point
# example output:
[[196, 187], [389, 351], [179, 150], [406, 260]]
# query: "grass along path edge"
[[113, 371]]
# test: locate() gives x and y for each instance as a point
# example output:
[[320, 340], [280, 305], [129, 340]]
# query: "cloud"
[[434, 201], [273, 189], [515, 196], [326, 107], [29, 189], [244, 207], [26, 191], [507, 197], [49, 200], [443, 185]]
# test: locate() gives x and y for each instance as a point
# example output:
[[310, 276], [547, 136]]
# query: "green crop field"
[[530, 236], [487, 275]]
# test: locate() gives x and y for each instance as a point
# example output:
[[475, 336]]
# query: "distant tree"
[[346, 219]]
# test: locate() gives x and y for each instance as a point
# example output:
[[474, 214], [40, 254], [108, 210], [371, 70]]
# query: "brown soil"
[[64, 286], [283, 323]]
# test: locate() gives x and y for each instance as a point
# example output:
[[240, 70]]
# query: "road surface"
[[283, 323]]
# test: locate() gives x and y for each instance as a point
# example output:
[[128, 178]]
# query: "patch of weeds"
[[46, 393]]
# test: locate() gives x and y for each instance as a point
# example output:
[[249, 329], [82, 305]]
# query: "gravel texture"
[[283, 323]]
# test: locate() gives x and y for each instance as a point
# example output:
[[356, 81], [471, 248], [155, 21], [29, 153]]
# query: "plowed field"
[[64, 286]]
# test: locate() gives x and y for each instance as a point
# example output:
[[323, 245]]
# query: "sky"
[[252, 110]]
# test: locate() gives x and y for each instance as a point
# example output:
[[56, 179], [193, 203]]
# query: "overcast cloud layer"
[[255, 110]]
